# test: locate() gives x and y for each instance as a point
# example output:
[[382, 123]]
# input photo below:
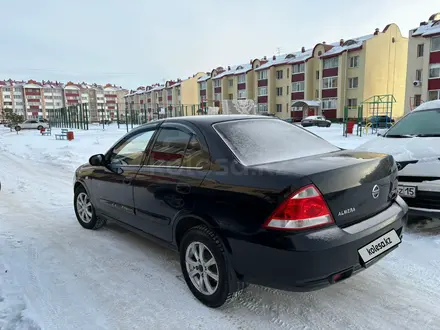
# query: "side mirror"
[[96, 160]]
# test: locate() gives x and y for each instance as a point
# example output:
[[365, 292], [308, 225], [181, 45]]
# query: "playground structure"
[[373, 108]]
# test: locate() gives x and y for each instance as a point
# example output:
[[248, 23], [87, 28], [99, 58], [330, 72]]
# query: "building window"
[[231, 96], [217, 83], [231, 82], [7, 96], [6, 89], [298, 86], [287, 107], [317, 74], [353, 82], [434, 70], [434, 95], [435, 44], [354, 62], [287, 72], [242, 79], [417, 100], [287, 90], [203, 85], [262, 91], [330, 82], [420, 50], [279, 91], [242, 94], [217, 96], [298, 68], [262, 107], [329, 103], [262, 75], [352, 103], [279, 74], [316, 94], [419, 75], [279, 108], [331, 62]]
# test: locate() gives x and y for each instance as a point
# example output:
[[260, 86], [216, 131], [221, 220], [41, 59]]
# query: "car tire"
[[84, 210], [17, 128], [227, 284], [39, 128], [328, 125]]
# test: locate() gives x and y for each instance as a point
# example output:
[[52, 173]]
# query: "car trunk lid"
[[355, 185]]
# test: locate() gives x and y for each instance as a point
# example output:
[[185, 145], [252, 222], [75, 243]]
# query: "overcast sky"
[[140, 42]]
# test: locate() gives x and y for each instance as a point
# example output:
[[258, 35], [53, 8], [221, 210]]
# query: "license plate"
[[407, 191], [379, 246]]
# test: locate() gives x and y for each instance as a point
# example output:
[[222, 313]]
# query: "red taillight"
[[305, 209]]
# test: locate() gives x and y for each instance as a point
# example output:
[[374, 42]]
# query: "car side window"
[[33, 122], [132, 150], [169, 148], [195, 156]]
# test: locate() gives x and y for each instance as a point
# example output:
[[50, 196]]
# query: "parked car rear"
[[241, 206], [319, 121]]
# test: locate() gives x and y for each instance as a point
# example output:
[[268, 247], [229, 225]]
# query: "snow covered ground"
[[56, 275]]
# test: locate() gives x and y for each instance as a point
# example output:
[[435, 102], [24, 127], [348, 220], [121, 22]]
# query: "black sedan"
[[319, 121], [241, 205]]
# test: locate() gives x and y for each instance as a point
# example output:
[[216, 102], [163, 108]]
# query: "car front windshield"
[[424, 123]]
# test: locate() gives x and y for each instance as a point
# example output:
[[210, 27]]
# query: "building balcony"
[[331, 92], [331, 72]]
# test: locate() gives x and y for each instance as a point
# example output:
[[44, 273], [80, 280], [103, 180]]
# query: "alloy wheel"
[[84, 207], [202, 268]]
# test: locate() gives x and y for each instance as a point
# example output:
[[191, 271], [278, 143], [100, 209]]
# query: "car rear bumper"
[[427, 200], [309, 261]]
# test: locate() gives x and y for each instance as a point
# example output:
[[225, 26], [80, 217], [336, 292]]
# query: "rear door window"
[[169, 148], [260, 141], [195, 156]]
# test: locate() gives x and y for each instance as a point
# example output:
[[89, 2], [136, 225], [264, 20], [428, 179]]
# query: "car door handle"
[[127, 179], [183, 188]]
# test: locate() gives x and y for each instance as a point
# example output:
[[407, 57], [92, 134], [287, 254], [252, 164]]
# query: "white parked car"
[[32, 124], [414, 142]]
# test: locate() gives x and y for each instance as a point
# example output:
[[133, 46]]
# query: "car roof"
[[430, 105], [208, 120]]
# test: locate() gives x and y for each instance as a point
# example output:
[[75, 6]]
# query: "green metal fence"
[[81, 117]]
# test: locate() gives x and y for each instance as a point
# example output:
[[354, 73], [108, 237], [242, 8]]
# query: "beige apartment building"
[[329, 77], [423, 68], [174, 98], [320, 80]]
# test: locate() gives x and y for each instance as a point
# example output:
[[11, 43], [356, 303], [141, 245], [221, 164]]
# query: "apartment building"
[[423, 68], [320, 80], [329, 77], [53, 96], [12, 97], [206, 91], [33, 99], [175, 96], [231, 83], [280, 80], [189, 93]]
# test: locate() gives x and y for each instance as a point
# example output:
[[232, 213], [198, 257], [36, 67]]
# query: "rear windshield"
[[260, 141], [417, 123]]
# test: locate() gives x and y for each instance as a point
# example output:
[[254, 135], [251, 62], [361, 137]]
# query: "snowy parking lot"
[[56, 275]]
